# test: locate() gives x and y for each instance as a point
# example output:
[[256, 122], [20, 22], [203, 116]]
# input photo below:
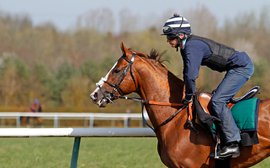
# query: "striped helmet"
[[176, 25]]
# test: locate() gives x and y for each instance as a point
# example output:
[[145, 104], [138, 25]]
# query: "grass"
[[94, 153]]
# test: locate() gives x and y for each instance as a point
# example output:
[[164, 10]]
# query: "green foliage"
[[13, 78], [12, 63], [260, 72], [90, 69], [42, 74], [62, 67], [60, 81]]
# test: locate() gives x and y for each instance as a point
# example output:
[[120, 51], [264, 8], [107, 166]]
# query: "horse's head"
[[119, 81]]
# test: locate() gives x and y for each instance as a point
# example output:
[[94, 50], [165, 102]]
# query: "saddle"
[[244, 110]]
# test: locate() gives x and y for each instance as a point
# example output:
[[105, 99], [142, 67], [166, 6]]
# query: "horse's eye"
[[116, 70]]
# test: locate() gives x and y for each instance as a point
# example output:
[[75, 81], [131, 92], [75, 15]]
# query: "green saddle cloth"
[[245, 114]]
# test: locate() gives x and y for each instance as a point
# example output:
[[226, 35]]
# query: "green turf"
[[94, 153]]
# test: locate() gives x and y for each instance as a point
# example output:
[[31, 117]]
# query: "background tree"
[[62, 67]]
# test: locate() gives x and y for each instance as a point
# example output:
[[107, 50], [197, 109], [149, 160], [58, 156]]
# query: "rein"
[[150, 102]]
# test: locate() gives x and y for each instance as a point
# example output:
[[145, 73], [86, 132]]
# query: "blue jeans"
[[230, 85]]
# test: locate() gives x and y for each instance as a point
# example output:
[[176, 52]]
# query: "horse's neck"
[[158, 84]]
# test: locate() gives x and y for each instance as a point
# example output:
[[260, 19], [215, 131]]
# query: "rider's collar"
[[183, 43]]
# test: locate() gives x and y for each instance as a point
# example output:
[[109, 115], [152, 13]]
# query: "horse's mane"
[[153, 55], [155, 58]]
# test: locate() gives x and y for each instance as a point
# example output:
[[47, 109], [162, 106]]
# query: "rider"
[[197, 51]]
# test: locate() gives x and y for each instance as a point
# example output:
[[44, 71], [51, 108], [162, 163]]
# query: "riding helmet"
[[175, 25]]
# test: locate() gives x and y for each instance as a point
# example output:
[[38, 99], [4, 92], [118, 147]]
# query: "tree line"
[[61, 67]]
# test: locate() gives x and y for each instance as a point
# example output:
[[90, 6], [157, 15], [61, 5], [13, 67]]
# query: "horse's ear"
[[123, 48]]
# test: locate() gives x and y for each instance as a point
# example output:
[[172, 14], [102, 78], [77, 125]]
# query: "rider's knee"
[[216, 103]]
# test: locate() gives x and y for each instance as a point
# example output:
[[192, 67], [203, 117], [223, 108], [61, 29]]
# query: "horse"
[[161, 92]]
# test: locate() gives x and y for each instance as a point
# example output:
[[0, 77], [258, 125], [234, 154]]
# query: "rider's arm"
[[193, 54]]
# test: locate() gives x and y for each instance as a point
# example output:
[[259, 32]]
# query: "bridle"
[[110, 96]]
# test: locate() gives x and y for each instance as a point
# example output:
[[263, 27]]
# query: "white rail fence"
[[77, 133], [89, 118]]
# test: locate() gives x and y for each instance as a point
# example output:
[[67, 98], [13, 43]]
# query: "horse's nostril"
[[94, 96]]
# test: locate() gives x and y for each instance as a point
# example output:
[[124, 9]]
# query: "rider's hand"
[[186, 101]]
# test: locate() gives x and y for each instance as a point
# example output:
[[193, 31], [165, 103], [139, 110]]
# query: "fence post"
[[55, 122], [18, 122], [75, 152], [91, 121]]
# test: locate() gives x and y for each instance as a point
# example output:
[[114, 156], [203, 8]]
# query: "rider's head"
[[176, 28]]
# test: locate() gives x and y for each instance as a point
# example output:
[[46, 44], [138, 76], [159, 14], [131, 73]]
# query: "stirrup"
[[217, 148]]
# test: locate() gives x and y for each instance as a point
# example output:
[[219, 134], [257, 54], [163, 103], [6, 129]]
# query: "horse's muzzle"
[[101, 99]]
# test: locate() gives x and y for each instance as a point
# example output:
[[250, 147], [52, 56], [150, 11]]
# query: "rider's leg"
[[230, 85]]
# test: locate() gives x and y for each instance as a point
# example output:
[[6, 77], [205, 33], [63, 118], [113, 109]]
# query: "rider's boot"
[[229, 150]]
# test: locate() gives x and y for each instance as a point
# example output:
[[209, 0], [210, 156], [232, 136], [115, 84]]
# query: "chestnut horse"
[[178, 146]]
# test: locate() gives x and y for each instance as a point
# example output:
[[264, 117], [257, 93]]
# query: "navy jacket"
[[193, 55]]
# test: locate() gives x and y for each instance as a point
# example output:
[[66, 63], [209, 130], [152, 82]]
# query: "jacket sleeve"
[[192, 57]]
